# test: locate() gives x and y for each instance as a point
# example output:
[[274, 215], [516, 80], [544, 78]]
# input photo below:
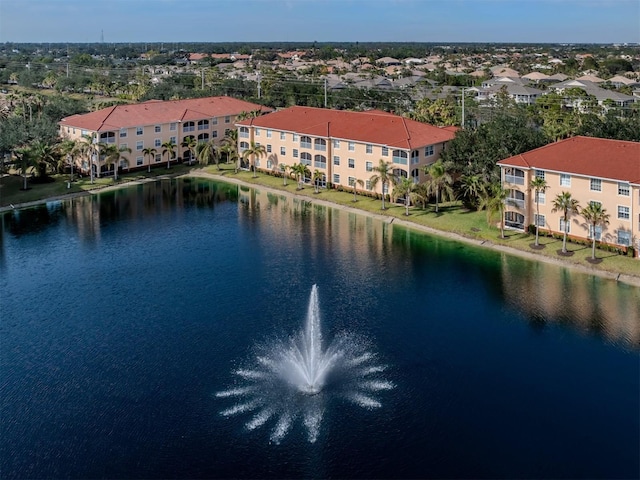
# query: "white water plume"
[[294, 380]]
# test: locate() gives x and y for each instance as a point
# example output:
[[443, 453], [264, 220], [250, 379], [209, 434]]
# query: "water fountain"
[[297, 378]]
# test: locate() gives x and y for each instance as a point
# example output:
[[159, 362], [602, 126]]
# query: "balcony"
[[514, 179]]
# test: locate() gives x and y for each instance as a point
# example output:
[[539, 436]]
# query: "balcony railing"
[[514, 179], [515, 202]]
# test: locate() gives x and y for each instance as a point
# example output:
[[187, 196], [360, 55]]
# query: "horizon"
[[566, 22]]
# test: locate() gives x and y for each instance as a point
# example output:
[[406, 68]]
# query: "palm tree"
[[567, 205], [284, 168], [208, 152], [439, 181], [595, 215], [406, 188], [66, 149], [384, 175], [357, 182], [169, 149], [43, 156], [88, 147], [493, 201], [190, 144], [317, 177], [113, 155], [471, 189], [538, 184], [300, 170], [151, 153], [25, 160], [254, 150]]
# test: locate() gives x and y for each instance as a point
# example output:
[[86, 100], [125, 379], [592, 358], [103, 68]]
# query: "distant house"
[[591, 170], [602, 95]]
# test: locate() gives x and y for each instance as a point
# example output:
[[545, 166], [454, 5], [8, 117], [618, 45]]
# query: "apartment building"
[[151, 124], [592, 170], [344, 146]]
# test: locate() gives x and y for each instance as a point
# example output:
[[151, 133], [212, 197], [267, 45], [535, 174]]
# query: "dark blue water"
[[123, 314]]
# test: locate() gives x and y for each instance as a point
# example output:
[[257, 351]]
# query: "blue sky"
[[563, 21]]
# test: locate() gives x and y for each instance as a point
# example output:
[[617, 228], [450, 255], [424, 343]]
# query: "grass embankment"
[[452, 217]]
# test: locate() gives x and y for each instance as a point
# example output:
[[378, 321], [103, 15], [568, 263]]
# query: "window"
[[243, 146], [320, 144], [173, 126], [367, 184], [268, 133], [516, 176], [203, 137], [305, 142], [227, 119], [598, 232], [257, 132], [564, 224], [623, 189], [283, 151], [203, 124], [214, 134], [139, 130], [565, 180], [108, 137], [173, 140], [539, 220], [305, 158], [596, 185], [369, 166], [123, 133], [139, 161], [295, 153], [540, 197], [336, 144], [385, 152], [415, 175], [400, 157], [296, 137], [415, 157], [540, 174], [157, 129], [624, 237], [352, 146], [188, 127], [139, 145], [320, 161], [269, 164], [244, 132], [352, 163], [268, 148], [214, 121], [428, 150], [257, 162], [352, 181], [158, 157], [623, 212], [369, 148], [283, 136], [123, 146], [157, 142], [336, 178], [336, 160]]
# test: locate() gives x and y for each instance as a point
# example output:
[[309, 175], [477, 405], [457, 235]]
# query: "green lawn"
[[452, 217]]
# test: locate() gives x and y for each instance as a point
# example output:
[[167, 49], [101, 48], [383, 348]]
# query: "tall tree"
[[113, 155], [493, 201], [595, 216], [384, 176], [149, 152], [357, 183], [254, 152], [284, 169], [25, 161], [208, 152], [43, 156], [538, 185], [169, 148], [406, 188], [439, 181], [190, 144], [317, 177], [567, 205]]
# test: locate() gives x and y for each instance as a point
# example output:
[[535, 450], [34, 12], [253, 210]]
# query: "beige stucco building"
[[151, 124], [344, 146], [591, 170]]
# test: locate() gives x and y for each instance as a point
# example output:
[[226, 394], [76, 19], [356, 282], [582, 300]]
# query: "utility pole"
[[462, 125], [325, 92]]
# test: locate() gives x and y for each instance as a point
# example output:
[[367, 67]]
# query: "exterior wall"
[[346, 160], [151, 136], [580, 189]]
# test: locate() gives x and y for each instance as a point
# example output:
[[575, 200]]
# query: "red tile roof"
[[592, 157], [156, 112], [374, 126]]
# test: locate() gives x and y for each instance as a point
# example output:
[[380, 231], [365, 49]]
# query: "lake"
[[124, 315]]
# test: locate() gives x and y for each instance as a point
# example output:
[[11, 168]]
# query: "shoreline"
[[633, 280]]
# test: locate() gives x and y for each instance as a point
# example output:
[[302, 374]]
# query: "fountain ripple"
[[295, 379]]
